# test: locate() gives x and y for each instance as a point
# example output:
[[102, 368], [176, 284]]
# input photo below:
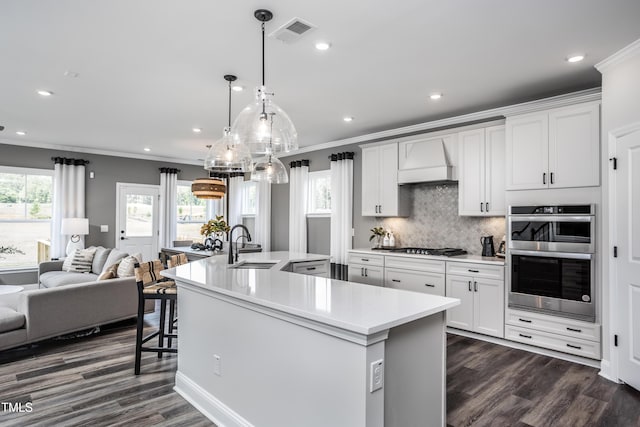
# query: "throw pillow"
[[100, 259], [110, 273], [114, 257], [126, 267], [80, 261]]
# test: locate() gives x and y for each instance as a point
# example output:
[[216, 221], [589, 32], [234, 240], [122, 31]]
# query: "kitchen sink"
[[254, 265]]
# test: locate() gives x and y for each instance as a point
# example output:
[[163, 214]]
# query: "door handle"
[[366, 273], [544, 178], [527, 336], [486, 206], [430, 285], [362, 271], [473, 271], [524, 320], [469, 285], [577, 347], [365, 259], [573, 329], [475, 286], [395, 280], [310, 268], [551, 177], [123, 238], [481, 207]]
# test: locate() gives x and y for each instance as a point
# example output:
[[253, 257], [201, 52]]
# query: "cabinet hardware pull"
[[310, 268], [430, 285], [544, 178], [551, 177], [366, 274], [474, 271], [487, 206], [362, 271], [524, 320], [527, 336], [475, 286], [469, 285], [573, 329], [481, 205], [365, 259], [379, 208], [577, 347], [395, 280]]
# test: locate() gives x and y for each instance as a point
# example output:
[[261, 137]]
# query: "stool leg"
[[172, 310], [163, 313], [139, 331]]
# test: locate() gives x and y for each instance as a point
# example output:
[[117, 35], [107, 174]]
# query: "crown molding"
[[620, 56], [587, 95], [72, 148]]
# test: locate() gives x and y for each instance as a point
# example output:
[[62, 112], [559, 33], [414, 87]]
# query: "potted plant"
[[378, 234], [213, 230]]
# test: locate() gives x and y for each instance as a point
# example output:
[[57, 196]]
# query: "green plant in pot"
[[378, 235], [213, 231]]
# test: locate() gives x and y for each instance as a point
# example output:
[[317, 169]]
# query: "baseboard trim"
[[538, 350], [207, 404], [605, 372]]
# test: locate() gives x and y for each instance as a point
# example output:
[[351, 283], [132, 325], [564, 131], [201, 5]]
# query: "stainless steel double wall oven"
[[552, 259]]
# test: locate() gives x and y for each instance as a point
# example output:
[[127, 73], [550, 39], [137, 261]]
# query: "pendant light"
[[208, 188], [269, 168], [252, 125], [228, 154]]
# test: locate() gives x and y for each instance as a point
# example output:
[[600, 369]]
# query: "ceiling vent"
[[293, 30]]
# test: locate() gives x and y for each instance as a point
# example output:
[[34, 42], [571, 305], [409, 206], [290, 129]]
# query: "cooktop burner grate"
[[432, 251]]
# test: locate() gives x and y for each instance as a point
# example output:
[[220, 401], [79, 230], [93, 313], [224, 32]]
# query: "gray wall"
[[100, 191]]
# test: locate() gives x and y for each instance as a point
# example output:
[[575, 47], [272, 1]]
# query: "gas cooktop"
[[431, 251]]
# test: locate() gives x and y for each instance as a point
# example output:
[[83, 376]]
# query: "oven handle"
[[570, 255], [552, 218]]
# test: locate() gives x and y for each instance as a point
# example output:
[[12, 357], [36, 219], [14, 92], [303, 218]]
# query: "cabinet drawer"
[[366, 259], [429, 265], [428, 283], [476, 270], [554, 325], [561, 343], [310, 267]]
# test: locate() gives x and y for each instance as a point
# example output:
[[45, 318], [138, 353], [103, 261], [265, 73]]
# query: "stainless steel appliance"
[[551, 259], [487, 246]]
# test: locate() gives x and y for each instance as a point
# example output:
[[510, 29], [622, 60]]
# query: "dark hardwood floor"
[[90, 381]]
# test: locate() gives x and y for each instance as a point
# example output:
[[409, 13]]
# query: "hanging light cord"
[[229, 123], [263, 54]]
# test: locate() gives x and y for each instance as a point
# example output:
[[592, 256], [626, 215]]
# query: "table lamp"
[[75, 227]]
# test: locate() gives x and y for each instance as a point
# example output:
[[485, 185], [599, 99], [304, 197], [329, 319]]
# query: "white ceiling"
[[151, 70]]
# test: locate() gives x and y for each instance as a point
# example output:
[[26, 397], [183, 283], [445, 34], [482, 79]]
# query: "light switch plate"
[[217, 365], [104, 228]]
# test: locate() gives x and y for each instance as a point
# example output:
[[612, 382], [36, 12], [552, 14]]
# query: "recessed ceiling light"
[[575, 58], [21, 132], [45, 93], [237, 88], [147, 149], [435, 96], [347, 119], [196, 130], [323, 45]]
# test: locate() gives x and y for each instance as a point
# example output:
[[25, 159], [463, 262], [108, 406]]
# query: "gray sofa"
[[64, 303]]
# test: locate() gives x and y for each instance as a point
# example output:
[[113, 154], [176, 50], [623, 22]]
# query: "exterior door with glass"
[[137, 219]]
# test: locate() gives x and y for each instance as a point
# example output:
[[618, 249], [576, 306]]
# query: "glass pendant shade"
[[228, 154], [208, 188], [264, 127], [269, 169]]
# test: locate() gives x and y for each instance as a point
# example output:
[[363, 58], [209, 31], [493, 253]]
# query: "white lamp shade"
[[75, 226]]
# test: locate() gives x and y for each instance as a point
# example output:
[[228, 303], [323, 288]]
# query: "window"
[[249, 198], [25, 215], [319, 193], [191, 213]]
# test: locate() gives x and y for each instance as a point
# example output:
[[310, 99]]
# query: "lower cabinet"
[[417, 281], [312, 268], [367, 274]]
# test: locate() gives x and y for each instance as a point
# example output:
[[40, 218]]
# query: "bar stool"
[[151, 286], [174, 261]]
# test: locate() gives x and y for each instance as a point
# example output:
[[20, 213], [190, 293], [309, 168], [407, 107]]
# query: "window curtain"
[[263, 216], [68, 199], [214, 208], [341, 212], [298, 190], [168, 206], [234, 193]]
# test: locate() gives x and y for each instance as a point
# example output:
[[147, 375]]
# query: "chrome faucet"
[[231, 258]]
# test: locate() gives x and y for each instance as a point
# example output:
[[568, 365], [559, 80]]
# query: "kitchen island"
[[265, 347]]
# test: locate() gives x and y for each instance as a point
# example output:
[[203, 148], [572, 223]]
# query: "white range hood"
[[427, 160]]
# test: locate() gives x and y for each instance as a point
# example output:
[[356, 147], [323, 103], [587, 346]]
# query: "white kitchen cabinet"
[[381, 194], [415, 274], [482, 172], [366, 268], [482, 307], [557, 148]]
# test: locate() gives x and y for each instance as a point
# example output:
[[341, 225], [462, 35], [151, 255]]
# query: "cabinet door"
[[366, 274], [471, 173], [488, 307], [495, 164], [460, 316], [574, 146], [388, 186], [527, 152], [370, 181]]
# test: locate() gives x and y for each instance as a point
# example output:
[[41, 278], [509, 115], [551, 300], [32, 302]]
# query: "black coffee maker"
[[487, 246]]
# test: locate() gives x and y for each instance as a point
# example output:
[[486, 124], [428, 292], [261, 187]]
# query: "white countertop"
[[458, 258], [351, 306]]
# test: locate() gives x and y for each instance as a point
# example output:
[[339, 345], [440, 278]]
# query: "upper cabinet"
[[558, 148], [381, 195], [481, 172]]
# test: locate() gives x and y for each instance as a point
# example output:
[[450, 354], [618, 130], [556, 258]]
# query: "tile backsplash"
[[434, 222]]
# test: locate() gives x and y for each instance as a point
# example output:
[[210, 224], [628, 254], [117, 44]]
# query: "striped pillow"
[[125, 269], [80, 262]]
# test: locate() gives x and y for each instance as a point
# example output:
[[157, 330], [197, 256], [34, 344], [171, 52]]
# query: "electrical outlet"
[[376, 375], [104, 228], [217, 365]]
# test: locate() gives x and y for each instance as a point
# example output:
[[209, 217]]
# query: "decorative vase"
[[379, 242]]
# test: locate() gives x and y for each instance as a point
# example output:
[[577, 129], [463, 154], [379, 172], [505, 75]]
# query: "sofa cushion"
[[99, 259], [53, 279], [126, 267], [109, 273], [10, 319], [80, 262], [114, 257]]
